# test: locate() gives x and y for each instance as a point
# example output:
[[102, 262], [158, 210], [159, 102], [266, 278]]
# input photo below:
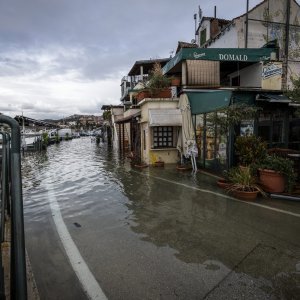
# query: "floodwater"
[[152, 233]]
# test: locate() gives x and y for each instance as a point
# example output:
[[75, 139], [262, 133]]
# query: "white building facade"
[[270, 20]]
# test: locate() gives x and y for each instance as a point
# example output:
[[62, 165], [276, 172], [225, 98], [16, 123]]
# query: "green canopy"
[[243, 97], [220, 54], [208, 100]]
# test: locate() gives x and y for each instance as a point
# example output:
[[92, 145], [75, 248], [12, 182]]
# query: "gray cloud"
[[65, 52]]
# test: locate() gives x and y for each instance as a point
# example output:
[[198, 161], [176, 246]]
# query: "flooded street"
[[152, 233]]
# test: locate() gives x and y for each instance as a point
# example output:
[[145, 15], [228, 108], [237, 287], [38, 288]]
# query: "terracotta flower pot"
[[161, 93], [159, 164], [248, 196], [184, 167], [222, 183], [142, 95], [272, 182], [140, 166]]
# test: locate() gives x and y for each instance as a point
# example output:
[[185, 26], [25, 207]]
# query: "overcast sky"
[[63, 57]]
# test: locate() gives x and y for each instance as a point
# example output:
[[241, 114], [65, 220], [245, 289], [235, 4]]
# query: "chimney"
[[214, 25]]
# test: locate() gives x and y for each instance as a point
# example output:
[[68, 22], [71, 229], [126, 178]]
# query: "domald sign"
[[222, 54], [233, 57]]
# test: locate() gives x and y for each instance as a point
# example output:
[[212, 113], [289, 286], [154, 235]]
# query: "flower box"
[[159, 93]]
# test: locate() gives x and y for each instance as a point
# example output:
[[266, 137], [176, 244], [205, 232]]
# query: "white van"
[[65, 133]]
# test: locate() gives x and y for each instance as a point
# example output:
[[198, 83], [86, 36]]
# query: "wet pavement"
[[152, 233]]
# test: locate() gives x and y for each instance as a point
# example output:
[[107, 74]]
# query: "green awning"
[[220, 54], [208, 100], [243, 97], [274, 98]]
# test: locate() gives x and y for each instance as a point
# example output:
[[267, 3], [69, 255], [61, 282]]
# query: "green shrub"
[[250, 149]]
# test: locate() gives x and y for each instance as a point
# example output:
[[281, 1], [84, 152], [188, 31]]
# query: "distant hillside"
[[71, 118], [78, 120]]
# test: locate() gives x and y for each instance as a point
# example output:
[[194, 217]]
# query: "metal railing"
[[12, 208]]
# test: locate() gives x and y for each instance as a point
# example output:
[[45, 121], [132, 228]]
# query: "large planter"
[[271, 181], [142, 95], [247, 196], [159, 93]]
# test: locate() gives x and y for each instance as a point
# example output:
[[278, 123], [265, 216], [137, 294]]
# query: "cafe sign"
[[271, 76], [233, 57], [222, 54], [271, 70]]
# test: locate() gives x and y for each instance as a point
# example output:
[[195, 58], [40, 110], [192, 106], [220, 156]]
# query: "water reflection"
[[200, 229], [204, 229]]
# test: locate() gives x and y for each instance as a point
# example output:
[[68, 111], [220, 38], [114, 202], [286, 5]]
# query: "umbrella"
[[186, 140]]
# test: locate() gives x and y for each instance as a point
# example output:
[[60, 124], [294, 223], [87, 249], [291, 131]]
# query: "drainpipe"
[[18, 263], [184, 74], [286, 46], [247, 22]]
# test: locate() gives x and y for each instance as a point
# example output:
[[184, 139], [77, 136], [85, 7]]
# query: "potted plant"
[[184, 164], [158, 85], [226, 119], [230, 116], [223, 183], [137, 162], [276, 174], [159, 163], [243, 184], [250, 149]]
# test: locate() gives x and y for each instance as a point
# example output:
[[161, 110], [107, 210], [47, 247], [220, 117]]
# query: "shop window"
[[163, 137], [271, 128]]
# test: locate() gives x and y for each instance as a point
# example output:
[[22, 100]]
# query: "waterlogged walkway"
[[98, 229]]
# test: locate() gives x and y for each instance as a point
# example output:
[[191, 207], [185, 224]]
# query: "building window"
[[163, 137], [203, 37], [144, 139]]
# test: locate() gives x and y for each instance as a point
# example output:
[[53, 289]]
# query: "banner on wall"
[[247, 128], [271, 76]]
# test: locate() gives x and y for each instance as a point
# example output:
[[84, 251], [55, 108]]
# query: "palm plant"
[[242, 179]]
